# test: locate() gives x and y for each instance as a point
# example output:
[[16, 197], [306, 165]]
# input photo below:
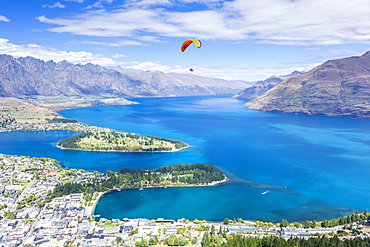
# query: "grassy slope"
[[24, 111]]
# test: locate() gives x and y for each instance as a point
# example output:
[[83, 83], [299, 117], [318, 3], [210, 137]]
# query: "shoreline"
[[91, 209]]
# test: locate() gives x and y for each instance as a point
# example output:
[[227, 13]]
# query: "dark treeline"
[[201, 173], [274, 241], [174, 175], [72, 141], [178, 173], [62, 120], [67, 189]]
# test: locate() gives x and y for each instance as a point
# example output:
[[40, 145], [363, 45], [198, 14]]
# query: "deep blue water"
[[314, 167]]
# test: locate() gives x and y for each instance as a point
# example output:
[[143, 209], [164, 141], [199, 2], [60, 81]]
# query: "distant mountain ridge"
[[339, 87], [28, 76], [263, 86]]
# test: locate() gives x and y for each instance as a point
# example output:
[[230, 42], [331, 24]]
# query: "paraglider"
[[188, 42]]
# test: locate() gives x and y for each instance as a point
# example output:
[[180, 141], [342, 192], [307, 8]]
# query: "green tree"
[[226, 221], [153, 241], [284, 223], [308, 224], [119, 240], [142, 243], [169, 241], [10, 215], [206, 240]]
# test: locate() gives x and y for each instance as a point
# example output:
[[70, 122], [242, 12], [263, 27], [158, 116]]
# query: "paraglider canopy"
[[189, 42]]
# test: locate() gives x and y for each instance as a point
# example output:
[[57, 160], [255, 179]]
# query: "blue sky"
[[241, 39]]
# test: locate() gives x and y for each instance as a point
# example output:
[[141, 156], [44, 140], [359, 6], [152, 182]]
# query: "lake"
[[281, 166]]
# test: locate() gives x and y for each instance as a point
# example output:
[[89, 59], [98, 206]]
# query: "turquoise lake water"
[[313, 167]]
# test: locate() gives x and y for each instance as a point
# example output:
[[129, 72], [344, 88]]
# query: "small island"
[[111, 140]]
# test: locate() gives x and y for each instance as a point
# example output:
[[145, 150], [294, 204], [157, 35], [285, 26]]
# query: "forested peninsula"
[[172, 176], [120, 141]]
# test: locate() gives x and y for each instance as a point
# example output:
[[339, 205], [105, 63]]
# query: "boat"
[[264, 192], [141, 189]]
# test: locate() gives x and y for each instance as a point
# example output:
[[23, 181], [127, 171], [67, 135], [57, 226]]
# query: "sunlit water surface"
[[313, 167]]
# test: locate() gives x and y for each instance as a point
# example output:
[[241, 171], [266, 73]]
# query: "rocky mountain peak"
[[339, 87], [29, 76]]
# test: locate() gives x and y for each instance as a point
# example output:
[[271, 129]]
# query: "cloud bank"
[[47, 54], [283, 22]]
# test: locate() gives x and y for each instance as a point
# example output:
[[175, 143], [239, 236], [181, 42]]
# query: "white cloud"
[[4, 18], [99, 4], [201, 1], [304, 22], [46, 54], [152, 39], [78, 1], [314, 48], [110, 24], [147, 3], [246, 74], [119, 43], [117, 55], [226, 73], [96, 5], [56, 5], [151, 66]]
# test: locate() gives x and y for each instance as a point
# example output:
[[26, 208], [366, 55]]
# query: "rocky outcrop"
[[33, 77], [338, 88]]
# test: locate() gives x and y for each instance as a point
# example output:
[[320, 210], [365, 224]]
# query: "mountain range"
[[339, 87], [263, 86], [28, 76]]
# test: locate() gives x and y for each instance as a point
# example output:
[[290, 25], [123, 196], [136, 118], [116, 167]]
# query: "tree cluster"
[[72, 142], [67, 189], [274, 241], [200, 173], [214, 238], [62, 120], [363, 219]]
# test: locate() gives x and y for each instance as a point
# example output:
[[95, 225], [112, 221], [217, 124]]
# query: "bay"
[[313, 167]]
